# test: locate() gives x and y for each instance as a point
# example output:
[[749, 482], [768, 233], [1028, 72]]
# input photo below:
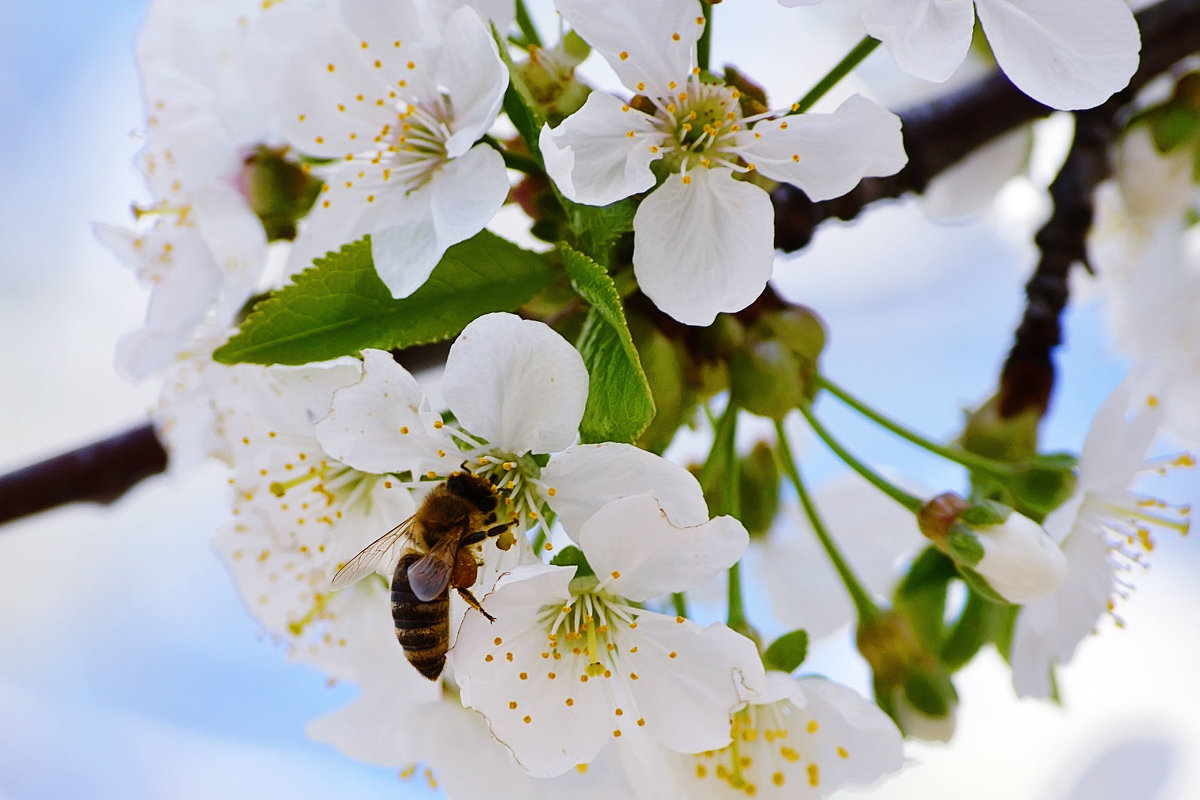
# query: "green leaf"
[[619, 405], [597, 227], [787, 652], [572, 556], [339, 305], [522, 110]]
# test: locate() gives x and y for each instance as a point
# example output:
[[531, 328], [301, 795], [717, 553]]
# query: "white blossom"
[[1067, 54], [802, 738], [1148, 261], [517, 391], [1019, 560], [573, 661], [398, 102], [1103, 529], [703, 240], [298, 514]]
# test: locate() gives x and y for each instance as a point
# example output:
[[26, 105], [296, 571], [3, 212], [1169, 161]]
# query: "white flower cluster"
[[278, 131]]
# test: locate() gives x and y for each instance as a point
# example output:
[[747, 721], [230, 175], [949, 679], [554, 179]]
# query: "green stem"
[[521, 163], [526, 25], [913, 504], [722, 464], [841, 70], [863, 603], [967, 459], [704, 46], [680, 602]]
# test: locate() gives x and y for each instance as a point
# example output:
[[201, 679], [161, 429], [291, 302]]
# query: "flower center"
[[417, 144], [702, 119], [586, 628], [769, 744]]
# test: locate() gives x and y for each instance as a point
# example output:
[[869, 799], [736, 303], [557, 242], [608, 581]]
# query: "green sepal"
[[339, 306], [974, 628], [619, 404], [984, 513], [963, 545], [572, 556], [787, 652], [921, 596], [930, 691], [978, 583], [522, 110]]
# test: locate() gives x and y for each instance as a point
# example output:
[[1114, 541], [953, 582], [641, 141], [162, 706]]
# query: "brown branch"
[[941, 132], [103, 471], [1027, 378], [96, 473]]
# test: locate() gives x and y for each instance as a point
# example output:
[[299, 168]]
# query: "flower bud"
[[910, 683], [998, 551], [279, 190]]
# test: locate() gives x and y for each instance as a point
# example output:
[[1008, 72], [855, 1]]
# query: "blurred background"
[[128, 668]]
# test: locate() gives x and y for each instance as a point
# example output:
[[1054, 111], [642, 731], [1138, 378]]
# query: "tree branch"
[[97, 473], [1027, 378], [939, 133]]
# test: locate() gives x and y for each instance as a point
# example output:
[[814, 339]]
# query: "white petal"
[[1048, 630], [639, 554], [341, 215], [969, 186], [1067, 54], [1020, 560], [587, 476], [318, 106], [647, 42], [826, 155], [872, 743], [383, 423], [703, 247], [558, 735], [591, 156], [690, 679], [517, 384], [460, 199], [235, 235], [1114, 451], [926, 38], [467, 193], [471, 73]]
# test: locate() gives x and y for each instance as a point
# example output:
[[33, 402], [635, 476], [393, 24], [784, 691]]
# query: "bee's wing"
[[430, 576], [379, 553]]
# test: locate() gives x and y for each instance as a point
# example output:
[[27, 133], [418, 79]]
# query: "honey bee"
[[437, 554]]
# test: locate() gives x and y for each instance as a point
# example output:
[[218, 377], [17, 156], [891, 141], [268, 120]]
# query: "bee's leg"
[[465, 594], [478, 536]]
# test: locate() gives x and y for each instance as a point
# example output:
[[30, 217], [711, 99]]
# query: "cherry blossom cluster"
[[280, 133]]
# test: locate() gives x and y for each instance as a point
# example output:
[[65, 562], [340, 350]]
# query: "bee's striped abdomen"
[[422, 628]]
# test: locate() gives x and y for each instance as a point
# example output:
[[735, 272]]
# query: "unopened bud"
[[1002, 553], [278, 189]]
